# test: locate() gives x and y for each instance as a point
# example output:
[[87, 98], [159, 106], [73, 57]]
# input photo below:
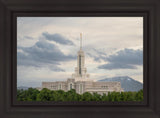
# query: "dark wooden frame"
[[10, 9]]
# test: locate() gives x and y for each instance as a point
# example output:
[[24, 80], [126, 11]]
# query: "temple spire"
[[80, 41]]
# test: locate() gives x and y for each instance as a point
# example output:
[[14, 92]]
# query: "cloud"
[[58, 38], [97, 55], [42, 54], [28, 37], [124, 59], [112, 66]]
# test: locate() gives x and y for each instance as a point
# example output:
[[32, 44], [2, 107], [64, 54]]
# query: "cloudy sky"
[[47, 48]]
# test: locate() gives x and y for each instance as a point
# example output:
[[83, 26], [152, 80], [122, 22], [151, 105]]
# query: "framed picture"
[[79, 59], [96, 66]]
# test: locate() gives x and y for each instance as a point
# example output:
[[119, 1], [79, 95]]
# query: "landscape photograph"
[[80, 59]]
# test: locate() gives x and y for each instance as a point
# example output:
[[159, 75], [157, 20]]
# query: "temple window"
[[70, 86]]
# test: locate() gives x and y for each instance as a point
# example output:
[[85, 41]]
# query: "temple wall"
[[83, 86]]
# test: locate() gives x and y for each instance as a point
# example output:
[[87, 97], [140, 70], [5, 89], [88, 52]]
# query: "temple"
[[80, 80]]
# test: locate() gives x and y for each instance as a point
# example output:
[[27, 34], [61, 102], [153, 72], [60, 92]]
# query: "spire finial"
[[80, 40]]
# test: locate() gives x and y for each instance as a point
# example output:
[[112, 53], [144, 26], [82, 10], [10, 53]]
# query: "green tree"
[[59, 95], [44, 95], [87, 96]]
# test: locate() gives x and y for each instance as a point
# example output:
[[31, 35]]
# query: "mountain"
[[22, 87], [127, 83]]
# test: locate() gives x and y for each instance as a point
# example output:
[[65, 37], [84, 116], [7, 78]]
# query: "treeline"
[[49, 95]]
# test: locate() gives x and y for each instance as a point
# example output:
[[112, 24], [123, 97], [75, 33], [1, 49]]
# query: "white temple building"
[[81, 81]]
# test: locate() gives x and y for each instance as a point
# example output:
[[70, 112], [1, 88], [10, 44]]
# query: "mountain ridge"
[[127, 83]]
